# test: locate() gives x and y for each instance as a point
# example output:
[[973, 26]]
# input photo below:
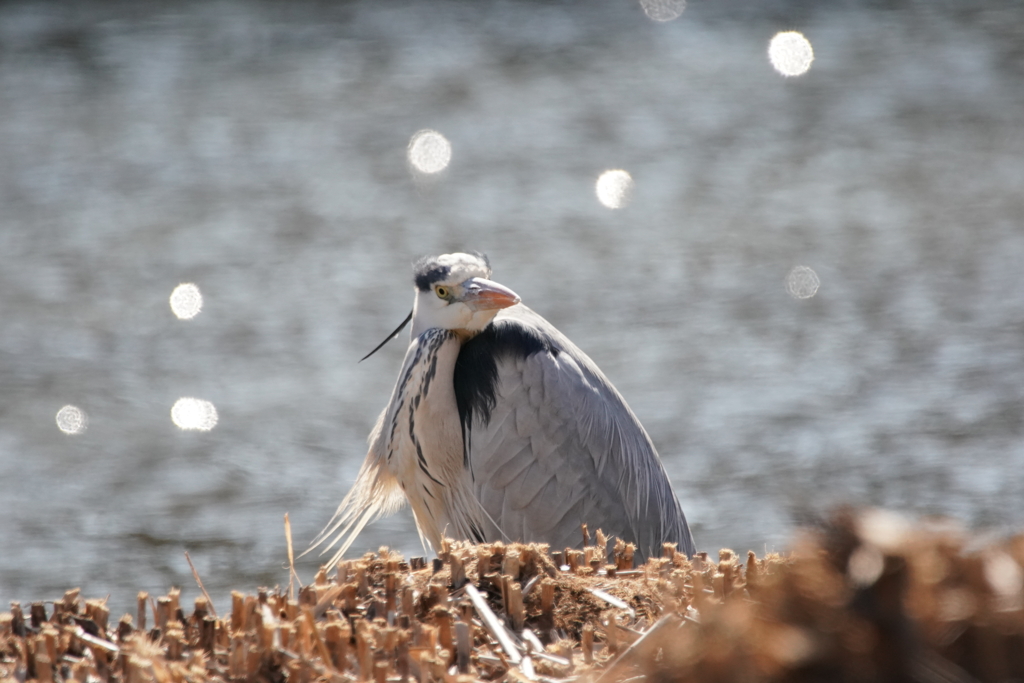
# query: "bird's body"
[[500, 428]]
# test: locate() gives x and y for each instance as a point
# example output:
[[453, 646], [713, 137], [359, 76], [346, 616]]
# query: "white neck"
[[423, 443]]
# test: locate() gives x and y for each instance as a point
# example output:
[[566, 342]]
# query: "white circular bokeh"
[[71, 420], [802, 283], [186, 301], [194, 414], [614, 188], [429, 152], [790, 53], [663, 10]]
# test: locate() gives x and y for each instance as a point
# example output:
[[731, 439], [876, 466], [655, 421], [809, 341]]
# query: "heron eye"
[[442, 292]]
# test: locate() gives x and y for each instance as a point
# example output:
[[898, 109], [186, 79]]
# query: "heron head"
[[454, 292]]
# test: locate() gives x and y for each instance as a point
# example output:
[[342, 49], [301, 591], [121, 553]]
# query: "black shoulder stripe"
[[476, 370]]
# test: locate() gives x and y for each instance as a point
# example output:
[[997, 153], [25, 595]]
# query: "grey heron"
[[500, 428]]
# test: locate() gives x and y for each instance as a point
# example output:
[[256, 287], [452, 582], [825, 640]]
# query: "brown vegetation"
[[868, 597]]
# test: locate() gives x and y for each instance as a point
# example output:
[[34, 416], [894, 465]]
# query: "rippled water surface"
[[258, 151]]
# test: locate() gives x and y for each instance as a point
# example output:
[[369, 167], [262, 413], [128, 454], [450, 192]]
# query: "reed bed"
[[867, 596]]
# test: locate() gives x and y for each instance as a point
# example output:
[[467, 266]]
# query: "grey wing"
[[559, 447]]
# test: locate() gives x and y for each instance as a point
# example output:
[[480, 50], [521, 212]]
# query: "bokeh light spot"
[[865, 565], [1003, 574], [802, 283], [663, 10], [186, 301], [429, 151], [790, 53], [614, 188], [71, 420], [194, 414], [886, 530]]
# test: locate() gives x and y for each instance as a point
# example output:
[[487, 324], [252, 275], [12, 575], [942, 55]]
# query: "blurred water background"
[[258, 151]]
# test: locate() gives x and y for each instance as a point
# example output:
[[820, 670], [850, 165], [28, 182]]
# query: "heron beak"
[[484, 295]]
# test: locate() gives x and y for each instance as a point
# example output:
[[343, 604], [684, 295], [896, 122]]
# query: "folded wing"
[[551, 444]]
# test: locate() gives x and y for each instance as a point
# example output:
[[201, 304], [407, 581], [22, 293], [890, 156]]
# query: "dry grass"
[[868, 597]]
